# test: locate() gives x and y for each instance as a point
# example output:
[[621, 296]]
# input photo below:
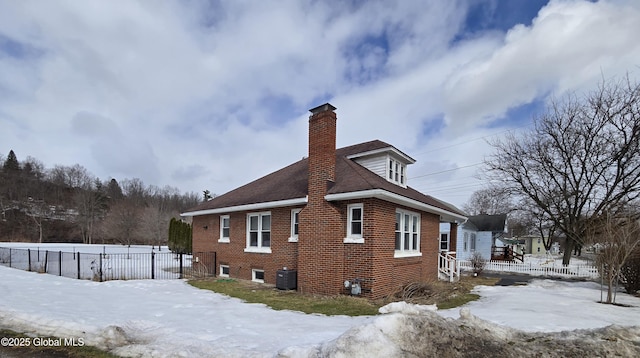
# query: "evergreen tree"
[[11, 163]]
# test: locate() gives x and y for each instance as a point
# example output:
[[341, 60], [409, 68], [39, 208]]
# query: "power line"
[[446, 171], [473, 140]]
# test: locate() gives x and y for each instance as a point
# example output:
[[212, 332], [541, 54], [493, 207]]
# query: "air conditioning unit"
[[287, 279]]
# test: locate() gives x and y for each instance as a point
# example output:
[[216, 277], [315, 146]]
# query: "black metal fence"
[[106, 267]]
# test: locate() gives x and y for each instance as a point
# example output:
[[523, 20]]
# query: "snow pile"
[[169, 318], [414, 331]]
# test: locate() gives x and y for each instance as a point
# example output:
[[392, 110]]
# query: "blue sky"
[[211, 95]]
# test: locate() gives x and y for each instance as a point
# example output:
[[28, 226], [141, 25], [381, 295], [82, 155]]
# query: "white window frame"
[[222, 274], [465, 244], [412, 228], [294, 236], [253, 275], [351, 237], [472, 245], [260, 248], [396, 172], [224, 239], [440, 242]]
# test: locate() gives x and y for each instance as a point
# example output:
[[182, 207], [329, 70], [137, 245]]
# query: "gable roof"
[[493, 223], [289, 186]]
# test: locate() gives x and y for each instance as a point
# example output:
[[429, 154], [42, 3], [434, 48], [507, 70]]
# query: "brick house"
[[339, 215]]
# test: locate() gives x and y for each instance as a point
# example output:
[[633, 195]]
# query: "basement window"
[[257, 275], [224, 270]]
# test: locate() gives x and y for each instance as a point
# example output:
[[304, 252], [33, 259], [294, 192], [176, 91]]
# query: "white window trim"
[[403, 252], [253, 275], [257, 249], [448, 242], [396, 169], [223, 239], [473, 242], [465, 242], [357, 238], [223, 274], [294, 237]]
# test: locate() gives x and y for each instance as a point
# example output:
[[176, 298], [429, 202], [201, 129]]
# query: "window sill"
[[293, 239], [258, 250], [402, 254], [224, 241], [353, 240]]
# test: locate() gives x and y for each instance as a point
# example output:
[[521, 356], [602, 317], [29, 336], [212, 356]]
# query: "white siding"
[[377, 164], [483, 244]]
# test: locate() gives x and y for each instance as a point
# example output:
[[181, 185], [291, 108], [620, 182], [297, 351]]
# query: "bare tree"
[[491, 201], [122, 223], [581, 157], [617, 236]]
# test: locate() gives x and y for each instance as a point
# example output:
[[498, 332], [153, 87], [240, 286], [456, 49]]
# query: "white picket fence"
[[536, 269]]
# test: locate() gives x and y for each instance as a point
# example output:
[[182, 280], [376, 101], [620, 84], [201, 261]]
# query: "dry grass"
[[443, 294]]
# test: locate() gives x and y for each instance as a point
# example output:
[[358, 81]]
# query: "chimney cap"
[[322, 108]]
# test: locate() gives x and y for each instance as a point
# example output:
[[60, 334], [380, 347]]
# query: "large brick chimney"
[[322, 150], [320, 246]]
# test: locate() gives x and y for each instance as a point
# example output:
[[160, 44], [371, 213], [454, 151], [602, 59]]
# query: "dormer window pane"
[[390, 169]]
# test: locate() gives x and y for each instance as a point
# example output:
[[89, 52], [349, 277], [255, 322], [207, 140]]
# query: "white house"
[[478, 234]]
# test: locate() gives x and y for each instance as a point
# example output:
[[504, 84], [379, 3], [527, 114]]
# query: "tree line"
[[69, 204]]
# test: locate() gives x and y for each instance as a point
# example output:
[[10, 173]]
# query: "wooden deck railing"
[[505, 253]]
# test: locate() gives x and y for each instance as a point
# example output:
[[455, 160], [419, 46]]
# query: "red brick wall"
[[283, 253]]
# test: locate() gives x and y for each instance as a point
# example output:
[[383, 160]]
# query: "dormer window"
[[396, 172]]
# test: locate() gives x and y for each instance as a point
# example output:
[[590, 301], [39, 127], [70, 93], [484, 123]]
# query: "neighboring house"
[[479, 234], [533, 244], [338, 217]]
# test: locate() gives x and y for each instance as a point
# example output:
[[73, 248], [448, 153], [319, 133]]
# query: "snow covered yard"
[[169, 318]]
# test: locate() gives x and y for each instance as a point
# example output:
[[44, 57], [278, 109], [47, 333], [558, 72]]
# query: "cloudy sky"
[[213, 94]]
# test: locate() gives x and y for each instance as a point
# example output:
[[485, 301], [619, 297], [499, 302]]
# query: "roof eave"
[[248, 207], [382, 194], [392, 149]]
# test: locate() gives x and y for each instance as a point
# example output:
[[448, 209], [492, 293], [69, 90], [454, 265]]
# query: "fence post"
[[153, 256], [29, 258], [60, 263], [46, 261], [215, 263], [9, 257], [180, 264], [78, 265], [100, 268]]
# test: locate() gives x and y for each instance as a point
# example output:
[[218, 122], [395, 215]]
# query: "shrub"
[[478, 263], [630, 273]]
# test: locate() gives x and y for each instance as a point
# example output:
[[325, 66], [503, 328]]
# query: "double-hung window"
[[224, 228], [355, 224], [259, 232], [465, 247], [407, 233], [397, 172], [473, 242], [295, 225]]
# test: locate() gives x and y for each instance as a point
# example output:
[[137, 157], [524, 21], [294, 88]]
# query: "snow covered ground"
[[169, 318]]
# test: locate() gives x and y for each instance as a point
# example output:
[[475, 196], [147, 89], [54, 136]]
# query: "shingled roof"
[[493, 223], [291, 183]]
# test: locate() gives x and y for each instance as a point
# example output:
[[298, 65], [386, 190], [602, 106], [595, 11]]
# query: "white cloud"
[[203, 95], [568, 47]]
